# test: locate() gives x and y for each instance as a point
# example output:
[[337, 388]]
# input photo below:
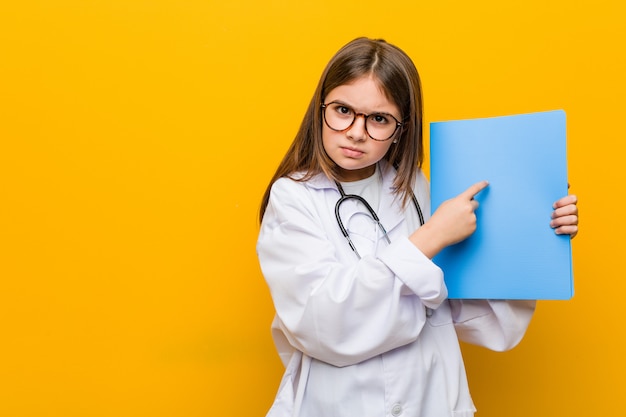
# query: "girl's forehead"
[[369, 79], [363, 92]]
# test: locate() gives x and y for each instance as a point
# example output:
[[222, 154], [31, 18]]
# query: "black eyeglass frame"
[[324, 106]]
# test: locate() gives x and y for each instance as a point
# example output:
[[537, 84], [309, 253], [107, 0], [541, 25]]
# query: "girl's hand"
[[565, 216], [452, 222]]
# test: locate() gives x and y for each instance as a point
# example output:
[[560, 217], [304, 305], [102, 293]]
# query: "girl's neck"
[[359, 174]]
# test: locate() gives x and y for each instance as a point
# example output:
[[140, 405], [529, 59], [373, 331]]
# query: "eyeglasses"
[[379, 126]]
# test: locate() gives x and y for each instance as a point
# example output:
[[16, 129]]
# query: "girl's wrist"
[[427, 241]]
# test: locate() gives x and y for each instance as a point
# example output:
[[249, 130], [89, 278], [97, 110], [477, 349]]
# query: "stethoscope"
[[372, 213]]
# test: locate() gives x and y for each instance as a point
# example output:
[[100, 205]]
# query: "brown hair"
[[400, 82]]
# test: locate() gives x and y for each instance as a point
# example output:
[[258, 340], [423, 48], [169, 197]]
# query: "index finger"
[[474, 189]]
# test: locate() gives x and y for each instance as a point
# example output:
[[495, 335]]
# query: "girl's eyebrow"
[[351, 107], [343, 103]]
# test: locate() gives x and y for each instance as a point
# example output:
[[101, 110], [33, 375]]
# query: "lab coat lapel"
[[331, 194], [390, 212]]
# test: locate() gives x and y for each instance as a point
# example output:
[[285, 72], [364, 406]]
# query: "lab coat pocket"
[[364, 233], [362, 225]]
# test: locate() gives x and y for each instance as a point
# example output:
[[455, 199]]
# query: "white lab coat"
[[369, 337]]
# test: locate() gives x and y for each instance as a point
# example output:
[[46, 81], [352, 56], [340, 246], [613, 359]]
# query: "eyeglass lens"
[[379, 126]]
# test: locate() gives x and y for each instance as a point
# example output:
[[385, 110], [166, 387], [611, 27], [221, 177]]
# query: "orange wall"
[[136, 139]]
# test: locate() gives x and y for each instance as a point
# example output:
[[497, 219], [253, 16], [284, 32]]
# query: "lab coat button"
[[396, 410], [429, 312]]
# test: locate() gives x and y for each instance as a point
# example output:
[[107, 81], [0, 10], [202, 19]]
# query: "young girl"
[[363, 323]]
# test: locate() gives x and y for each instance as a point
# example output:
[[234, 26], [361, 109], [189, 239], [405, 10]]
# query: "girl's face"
[[353, 150]]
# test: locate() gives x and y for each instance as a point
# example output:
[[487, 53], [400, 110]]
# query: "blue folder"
[[514, 254]]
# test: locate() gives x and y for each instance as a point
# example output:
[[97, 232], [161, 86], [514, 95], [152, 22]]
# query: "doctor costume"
[[374, 336]]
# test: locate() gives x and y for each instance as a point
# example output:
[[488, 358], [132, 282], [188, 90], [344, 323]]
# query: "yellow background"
[[136, 140]]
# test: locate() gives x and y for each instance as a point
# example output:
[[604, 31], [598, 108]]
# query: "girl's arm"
[[340, 310], [495, 324]]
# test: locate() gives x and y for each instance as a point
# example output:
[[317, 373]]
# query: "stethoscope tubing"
[[344, 197]]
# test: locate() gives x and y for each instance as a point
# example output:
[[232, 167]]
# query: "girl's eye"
[[379, 119], [343, 110]]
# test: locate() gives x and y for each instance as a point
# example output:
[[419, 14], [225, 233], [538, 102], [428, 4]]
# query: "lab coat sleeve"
[[341, 313], [495, 324]]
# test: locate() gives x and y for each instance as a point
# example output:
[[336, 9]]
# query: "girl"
[[362, 322]]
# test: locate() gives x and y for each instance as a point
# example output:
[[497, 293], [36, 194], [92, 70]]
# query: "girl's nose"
[[357, 131]]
